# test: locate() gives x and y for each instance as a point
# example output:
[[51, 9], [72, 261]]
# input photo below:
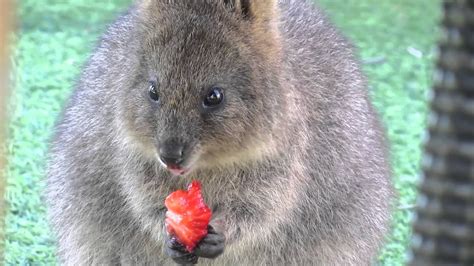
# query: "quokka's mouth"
[[178, 167], [177, 170]]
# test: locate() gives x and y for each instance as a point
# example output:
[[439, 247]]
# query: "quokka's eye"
[[152, 91], [214, 97]]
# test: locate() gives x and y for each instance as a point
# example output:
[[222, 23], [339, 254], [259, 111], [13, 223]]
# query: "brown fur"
[[294, 165]]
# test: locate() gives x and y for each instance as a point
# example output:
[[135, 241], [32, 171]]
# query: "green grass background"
[[396, 38]]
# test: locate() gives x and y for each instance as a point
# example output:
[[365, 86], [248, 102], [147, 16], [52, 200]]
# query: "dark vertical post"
[[443, 231]]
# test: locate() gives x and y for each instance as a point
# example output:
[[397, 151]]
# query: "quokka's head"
[[208, 89]]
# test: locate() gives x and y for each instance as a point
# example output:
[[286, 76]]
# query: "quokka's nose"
[[171, 154]]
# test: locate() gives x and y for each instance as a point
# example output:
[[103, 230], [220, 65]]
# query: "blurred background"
[[395, 40], [6, 21]]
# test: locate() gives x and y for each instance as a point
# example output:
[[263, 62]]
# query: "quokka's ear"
[[145, 7], [142, 6], [257, 10], [262, 15]]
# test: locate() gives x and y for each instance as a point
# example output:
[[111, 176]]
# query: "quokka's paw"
[[212, 245], [178, 252]]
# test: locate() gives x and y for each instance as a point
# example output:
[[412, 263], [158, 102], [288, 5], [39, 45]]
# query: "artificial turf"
[[395, 39]]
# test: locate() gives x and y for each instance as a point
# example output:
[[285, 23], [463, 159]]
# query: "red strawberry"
[[188, 216]]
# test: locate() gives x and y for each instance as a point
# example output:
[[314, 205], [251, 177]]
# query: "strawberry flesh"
[[188, 216]]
